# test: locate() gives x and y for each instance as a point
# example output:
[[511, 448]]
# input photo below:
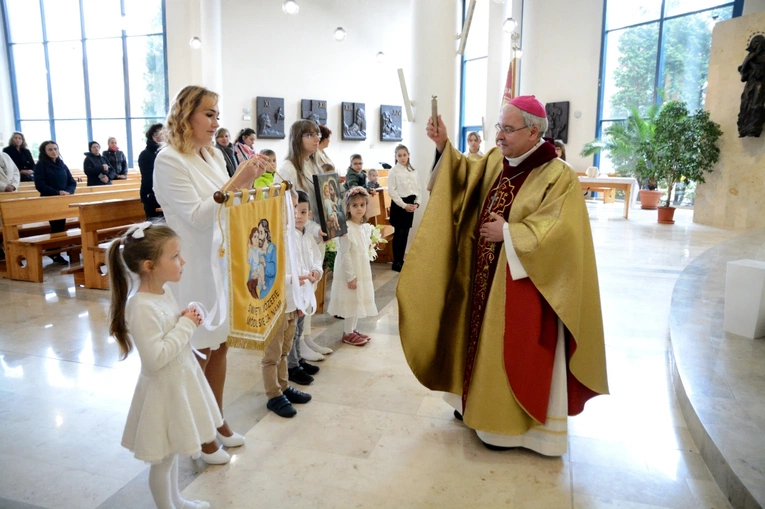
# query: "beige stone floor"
[[372, 436]]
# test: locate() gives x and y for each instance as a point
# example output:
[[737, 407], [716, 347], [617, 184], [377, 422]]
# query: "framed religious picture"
[[329, 202], [314, 109], [270, 117], [390, 123], [557, 121], [354, 121]]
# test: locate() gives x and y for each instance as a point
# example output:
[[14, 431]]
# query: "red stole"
[[530, 322]]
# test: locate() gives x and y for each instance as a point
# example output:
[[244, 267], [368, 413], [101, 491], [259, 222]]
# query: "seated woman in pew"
[[53, 178], [22, 157], [97, 167], [9, 174]]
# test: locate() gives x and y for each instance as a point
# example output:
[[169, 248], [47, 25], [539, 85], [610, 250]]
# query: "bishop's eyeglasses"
[[509, 130]]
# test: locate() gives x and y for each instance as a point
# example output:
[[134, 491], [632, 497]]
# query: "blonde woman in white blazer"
[[187, 173]]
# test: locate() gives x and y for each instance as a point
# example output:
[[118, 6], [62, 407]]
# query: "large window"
[[86, 70], [474, 72], [654, 49]]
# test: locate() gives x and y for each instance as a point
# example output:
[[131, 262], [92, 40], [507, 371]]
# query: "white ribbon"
[[137, 231]]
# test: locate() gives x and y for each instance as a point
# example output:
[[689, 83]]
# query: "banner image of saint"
[[262, 259]]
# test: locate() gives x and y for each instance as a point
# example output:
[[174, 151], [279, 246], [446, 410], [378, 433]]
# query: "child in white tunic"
[[173, 409], [353, 295]]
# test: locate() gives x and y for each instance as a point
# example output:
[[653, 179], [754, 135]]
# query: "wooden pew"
[[21, 193], [24, 255], [100, 222], [379, 214], [32, 192]]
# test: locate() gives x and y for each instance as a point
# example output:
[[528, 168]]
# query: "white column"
[[434, 71], [187, 65], [212, 46], [500, 49]]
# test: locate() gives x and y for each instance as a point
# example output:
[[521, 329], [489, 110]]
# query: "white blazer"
[[9, 173], [184, 185]]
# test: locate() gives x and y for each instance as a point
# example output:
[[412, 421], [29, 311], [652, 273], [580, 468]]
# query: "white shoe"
[[194, 504], [309, 354], [235, 440], [316, 347], [219, 457]]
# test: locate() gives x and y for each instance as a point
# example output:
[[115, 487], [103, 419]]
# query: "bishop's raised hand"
[[438, 135]]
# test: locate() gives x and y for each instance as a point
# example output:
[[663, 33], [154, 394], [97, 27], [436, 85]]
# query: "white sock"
[[180, 502], [160, 483], [350, 324]]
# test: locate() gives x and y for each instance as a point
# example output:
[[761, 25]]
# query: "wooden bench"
[[24, 256], [379, 214], [101, 222]]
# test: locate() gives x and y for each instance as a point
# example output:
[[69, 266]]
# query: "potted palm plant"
[[620, 141], [683, 148]]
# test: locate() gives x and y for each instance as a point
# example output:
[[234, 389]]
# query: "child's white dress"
[[173, 409], [352, 262]]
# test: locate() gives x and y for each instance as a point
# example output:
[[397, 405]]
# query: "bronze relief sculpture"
[[751, 116], [270, 117], [354, 121]]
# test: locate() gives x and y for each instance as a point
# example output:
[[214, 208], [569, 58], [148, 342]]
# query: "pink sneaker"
[[362, 335], [354, 339]]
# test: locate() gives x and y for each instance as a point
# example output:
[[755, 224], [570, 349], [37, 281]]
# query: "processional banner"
[[256, 245]]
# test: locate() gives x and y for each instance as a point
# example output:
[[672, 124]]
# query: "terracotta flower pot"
[[666, 215], [649, 200]]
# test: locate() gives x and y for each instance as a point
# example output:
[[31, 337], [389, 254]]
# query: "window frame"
[[738, 7], [464, 129], [131, 152]]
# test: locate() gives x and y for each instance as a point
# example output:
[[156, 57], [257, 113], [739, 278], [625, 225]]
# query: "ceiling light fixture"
[[195, 42], [380, 57], [340, 34], [509, 25], [290, 7]]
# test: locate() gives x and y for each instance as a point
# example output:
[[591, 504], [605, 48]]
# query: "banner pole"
[[221, 197]]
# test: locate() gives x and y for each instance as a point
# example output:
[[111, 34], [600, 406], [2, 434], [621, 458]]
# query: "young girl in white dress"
[[352, 294], [173, 409]]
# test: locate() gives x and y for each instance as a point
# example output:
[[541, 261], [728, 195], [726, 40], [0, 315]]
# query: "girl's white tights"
[[350, 324], [163, 483]]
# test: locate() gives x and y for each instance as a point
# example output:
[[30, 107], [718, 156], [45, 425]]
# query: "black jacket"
[[93, 166], [146, 165], [52, 177], [117, 161], [228, 155], [23, 160]]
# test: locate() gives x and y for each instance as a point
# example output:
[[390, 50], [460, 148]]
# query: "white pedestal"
[[745, 298]]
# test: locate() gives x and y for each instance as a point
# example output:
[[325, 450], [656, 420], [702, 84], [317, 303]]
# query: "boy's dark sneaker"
[[299, 376], [309, 368], [295, 396], [281, 406]]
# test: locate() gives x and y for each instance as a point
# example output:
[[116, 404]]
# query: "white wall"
[[268, 53], [752, 6], [561, 62], [734, 192]]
